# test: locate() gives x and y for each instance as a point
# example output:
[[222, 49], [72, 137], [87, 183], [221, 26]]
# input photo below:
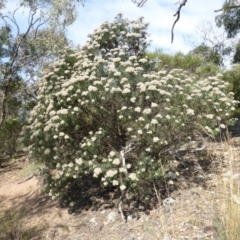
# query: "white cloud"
[[158, 13]]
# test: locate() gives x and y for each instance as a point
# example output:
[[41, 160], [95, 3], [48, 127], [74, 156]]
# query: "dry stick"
[[139, 4], [27, 178], [142, 2], [122, 191], [157, 194], [178, 17], [129, 148]]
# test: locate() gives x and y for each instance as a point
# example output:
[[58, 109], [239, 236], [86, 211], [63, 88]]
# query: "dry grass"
[[12, 226], [228, 215], [208, 213], [29, 168], [215, 213]]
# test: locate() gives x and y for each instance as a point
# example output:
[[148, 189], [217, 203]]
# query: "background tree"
[[229, 18], [236, 56], [25, 49], [195, 62], [207, 54]]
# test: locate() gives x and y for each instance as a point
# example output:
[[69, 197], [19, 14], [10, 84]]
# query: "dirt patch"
[[187, 212]]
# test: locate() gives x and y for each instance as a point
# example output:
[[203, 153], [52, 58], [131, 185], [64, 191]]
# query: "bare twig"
[[157, 194], [131, 145], [178, 17], [120, 206], [139, 3]]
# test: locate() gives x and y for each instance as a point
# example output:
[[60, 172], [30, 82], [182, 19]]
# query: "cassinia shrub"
[[106, 98]]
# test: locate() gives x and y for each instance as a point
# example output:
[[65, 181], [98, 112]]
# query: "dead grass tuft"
[[228, 212], [12, 226]]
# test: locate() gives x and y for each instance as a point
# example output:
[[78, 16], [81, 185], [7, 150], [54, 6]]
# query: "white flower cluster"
[[106, 96]]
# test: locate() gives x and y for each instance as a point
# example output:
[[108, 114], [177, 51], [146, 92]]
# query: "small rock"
[[93, 220], [167, 236], [111, 217], [168, 201]]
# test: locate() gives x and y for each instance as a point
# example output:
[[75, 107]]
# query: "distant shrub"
[[104, 114], [191, 62], [9, 135], [232, 76]]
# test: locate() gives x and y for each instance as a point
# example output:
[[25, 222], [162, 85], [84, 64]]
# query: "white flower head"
[[122, 187], [133, 99], [92, 89], [153, 105], [116, 161], [111, 173], [112, 153], [140, 131], [141, 119], [190, 111], [47, 151], [122, 169], [129, 129], [128, 165], [137, 109], [79, 161], [126, 90], [130, 70], [222, 126], [154, 121], [147, 111], [115, 183], [97, 171], [209, 116], [133, 176]]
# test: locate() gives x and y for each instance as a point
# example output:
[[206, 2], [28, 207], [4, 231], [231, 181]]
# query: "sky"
[[159, 13]]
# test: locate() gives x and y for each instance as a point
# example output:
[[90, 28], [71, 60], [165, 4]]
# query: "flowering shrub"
[[105, 115]]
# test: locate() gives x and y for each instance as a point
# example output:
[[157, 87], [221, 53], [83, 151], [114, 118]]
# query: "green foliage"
[[193, 62], [229, 18], [207, 54], [23, 54], [58, 14], [105, 116], [9, 134], [12, 225], [236, 56], [232, 76]]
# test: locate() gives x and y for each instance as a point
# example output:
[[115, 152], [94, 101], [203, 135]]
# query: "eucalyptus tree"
[[30, 42]]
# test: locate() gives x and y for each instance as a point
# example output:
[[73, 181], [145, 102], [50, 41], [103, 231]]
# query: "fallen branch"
[[28, 178], [34, 174]]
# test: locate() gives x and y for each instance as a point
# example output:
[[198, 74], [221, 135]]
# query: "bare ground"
[[191, 215]]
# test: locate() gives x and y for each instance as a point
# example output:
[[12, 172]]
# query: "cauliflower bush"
[[93, 103]]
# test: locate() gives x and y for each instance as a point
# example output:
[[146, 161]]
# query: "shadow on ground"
[[190, 171], [88, 195], [12, 225]]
